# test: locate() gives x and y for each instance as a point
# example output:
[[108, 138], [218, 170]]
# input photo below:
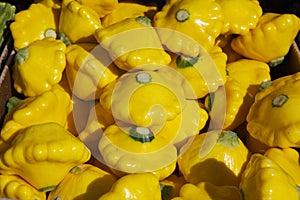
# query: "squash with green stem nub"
[[263, 178], [270, 40], [193, 24], [33, 24], [277, 125], [129, 51], [85, 182], [43, 154], [222, 164], [31, 110], [39, 66]]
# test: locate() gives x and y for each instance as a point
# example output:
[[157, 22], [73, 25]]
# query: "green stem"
[[166, 191], [210, 101], [276, 61], [229, 139], [12, 102], [143, 20], [141, 134], [50, 32], [143, 78], [280, 100], [264, 84], [76, 170], [182, 15], [47, 188], [65, 39], [183, 61], [22, 55]]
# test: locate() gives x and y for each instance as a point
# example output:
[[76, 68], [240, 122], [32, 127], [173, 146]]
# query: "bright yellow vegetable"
[[43, 154], [130, 9], [240, 16], [138, 150], [208, 191], [222, 164], [133, 96], [270, 40], [83, 182], [244, 78], [129, 51], [249, 73], [35, 23], [204, 73], [184, 26], [153, 98], [287, 159], [55, 102], [102, 7], [86, 74], [264, 179], [14, 187], [236, 100], [77, 22], [144, 186], [39, 66], [273, 117]]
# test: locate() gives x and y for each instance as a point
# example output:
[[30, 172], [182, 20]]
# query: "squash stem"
[[279, 100], [143, 78], [50, 32], [141, 134], [143, 20], [12, 102], [22, 55], [229, 139], [182, 15]]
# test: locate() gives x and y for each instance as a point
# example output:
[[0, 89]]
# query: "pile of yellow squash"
[[129, 101]]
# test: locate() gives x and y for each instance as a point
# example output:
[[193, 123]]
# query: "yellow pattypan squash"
[[39, 66], [29, 111], [14, 187], [129, 51], [220, 164], [77, 22], [102, 7], [130, 9], [236, 101], [244, 78], [85, 182], [43, 154], [264, 179], [143, 186], [204, 73], [184, 26], [273, 118], [137, 150], [270, 40], [240, 16], [132, 97], [287, 159], [35, 23], [208, 191], [249, 73], [86, 74]]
